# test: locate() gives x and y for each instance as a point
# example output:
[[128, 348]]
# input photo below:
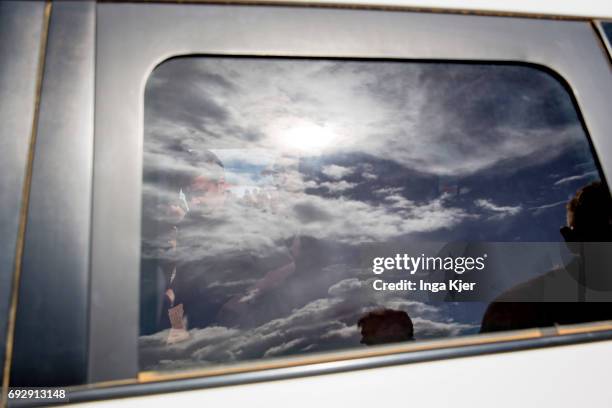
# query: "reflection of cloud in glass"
[[344, 220], [301, 136], [322, 324], [412, 113], [348, 156], [499, 211], [579, 177], [336, 172]]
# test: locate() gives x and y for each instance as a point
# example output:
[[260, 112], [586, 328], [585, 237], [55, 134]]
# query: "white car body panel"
[[566, 376]]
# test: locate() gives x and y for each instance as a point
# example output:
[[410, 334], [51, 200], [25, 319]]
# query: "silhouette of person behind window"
[[201, 190], [579, 292], [195, 296], [385, 326]]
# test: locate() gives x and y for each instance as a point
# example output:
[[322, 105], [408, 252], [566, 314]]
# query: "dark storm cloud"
[[482, 115], [481, 97], [182, 103], [309, 212]]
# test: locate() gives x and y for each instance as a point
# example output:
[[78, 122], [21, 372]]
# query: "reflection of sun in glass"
[[308, 137]]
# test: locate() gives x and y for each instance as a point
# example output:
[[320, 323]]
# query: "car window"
[[606, 31], [607, 28], [293, 206]]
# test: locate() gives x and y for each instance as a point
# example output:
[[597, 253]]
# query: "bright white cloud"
[[499, 212], [338, 186], [336, 172], [583, 176]]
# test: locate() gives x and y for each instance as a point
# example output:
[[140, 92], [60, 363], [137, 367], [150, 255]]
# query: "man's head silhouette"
[[385, 326], [589, 215]]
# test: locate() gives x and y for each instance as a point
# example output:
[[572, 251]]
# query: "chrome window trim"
[[134, 38]]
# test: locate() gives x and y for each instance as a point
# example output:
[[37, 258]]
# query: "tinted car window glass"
[[607, 28], [295, 206]]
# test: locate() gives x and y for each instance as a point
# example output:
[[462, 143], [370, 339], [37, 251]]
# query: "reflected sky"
[[326, 163]]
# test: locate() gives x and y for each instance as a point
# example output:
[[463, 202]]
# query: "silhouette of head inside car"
[[578, 292], [385, 326]]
